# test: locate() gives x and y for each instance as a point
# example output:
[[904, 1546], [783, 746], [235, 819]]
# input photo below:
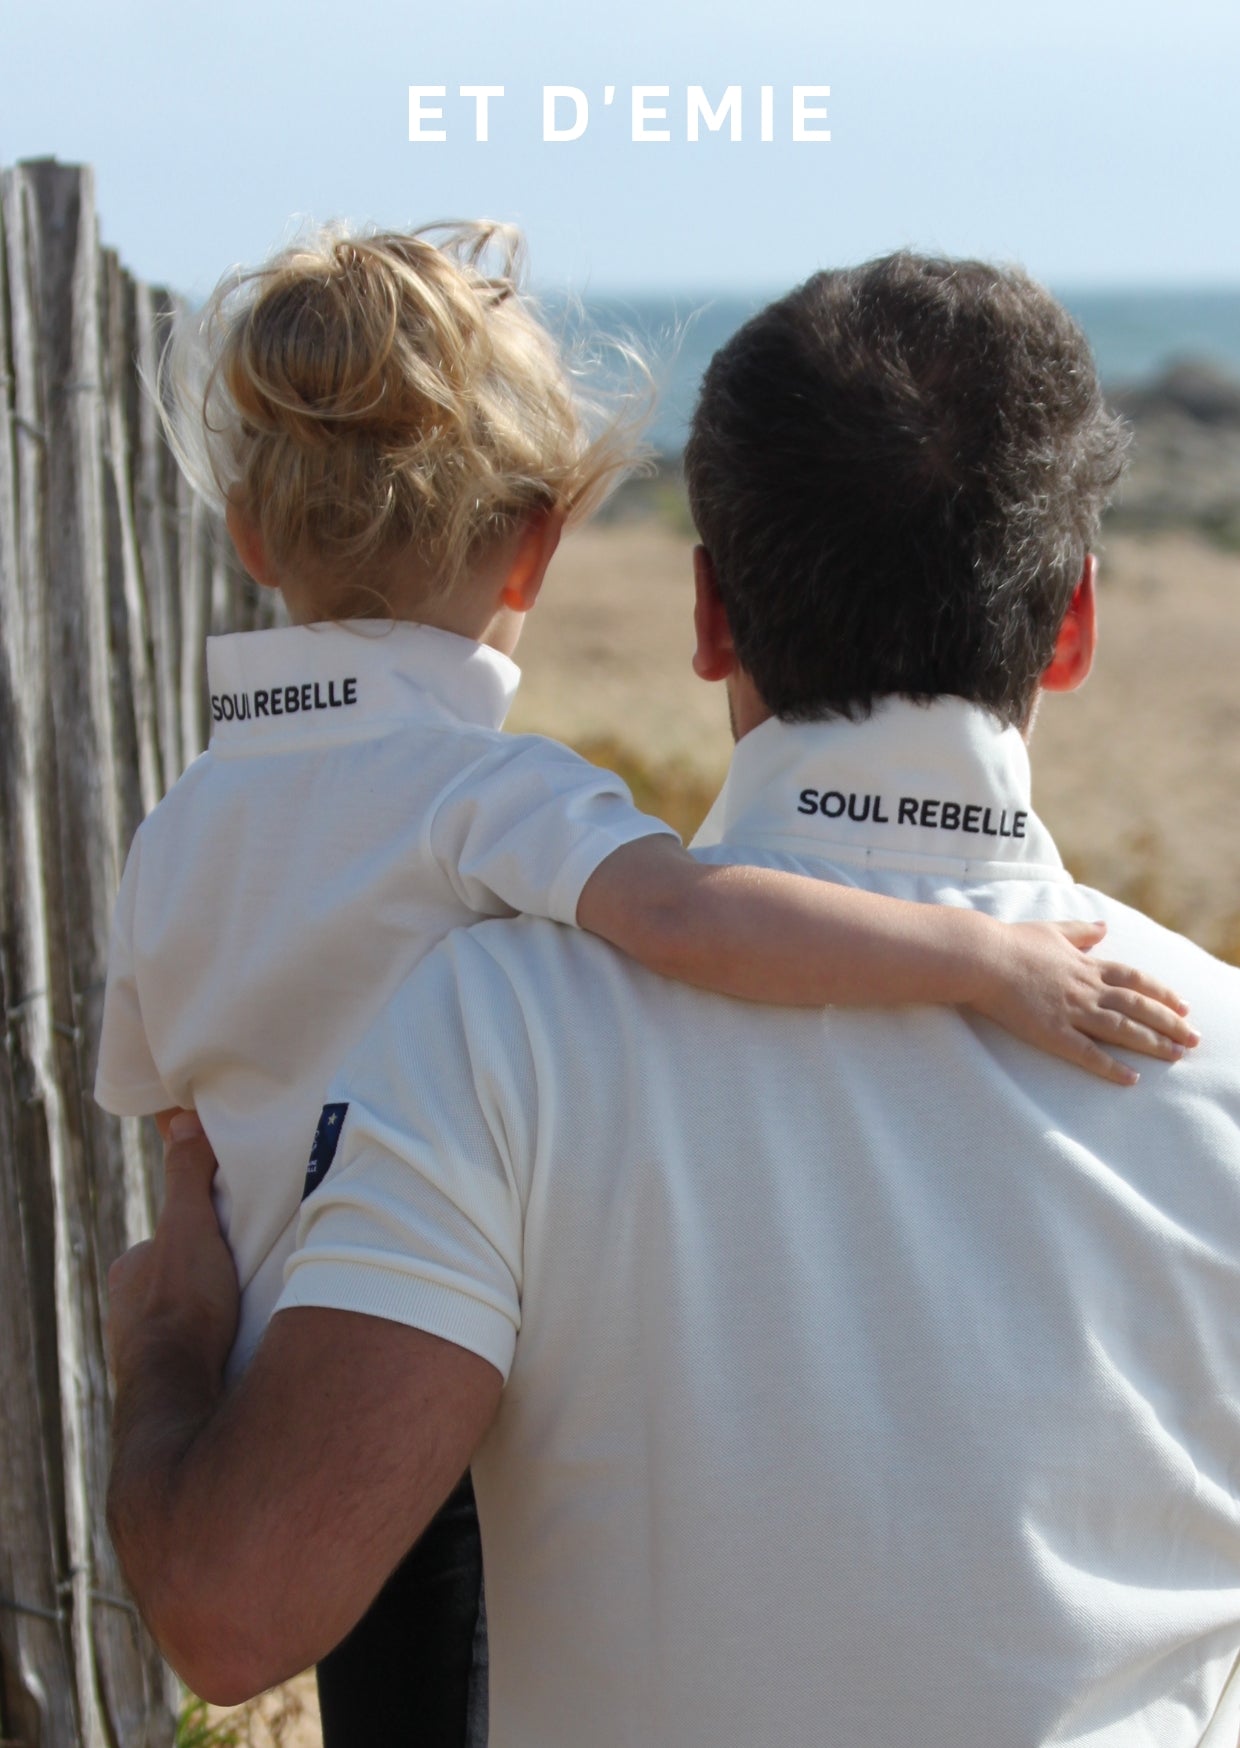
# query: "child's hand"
[[1044, 986]]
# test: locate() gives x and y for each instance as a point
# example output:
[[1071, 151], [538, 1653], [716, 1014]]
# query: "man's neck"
[[747, 709]]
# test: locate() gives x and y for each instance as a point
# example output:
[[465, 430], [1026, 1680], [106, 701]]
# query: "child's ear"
[[534, 550], [247, 538]]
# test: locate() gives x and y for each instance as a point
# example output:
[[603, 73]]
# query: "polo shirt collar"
[[941, 787], [301, 682]]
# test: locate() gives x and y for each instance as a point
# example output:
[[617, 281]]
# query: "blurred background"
[[1097, 145]]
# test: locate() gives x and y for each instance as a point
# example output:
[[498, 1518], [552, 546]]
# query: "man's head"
[[897, 472]]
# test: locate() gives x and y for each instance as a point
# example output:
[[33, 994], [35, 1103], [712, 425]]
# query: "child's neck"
[[472, 610], [487, 604]]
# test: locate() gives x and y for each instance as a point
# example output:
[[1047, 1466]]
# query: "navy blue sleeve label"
[[323, 1150]]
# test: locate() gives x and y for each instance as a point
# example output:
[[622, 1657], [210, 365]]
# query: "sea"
[[1135, 334]]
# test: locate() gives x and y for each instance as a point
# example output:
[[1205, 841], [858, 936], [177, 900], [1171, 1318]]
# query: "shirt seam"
[[369, 728], [894, 861]]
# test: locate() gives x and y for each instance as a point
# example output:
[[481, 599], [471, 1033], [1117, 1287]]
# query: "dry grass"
[[673, 791], [287, 1717]]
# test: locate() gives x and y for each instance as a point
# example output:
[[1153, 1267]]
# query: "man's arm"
[[255, 1528]]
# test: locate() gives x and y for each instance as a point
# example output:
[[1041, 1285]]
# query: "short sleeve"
[[127, 1082], [529, 824], [420, 1218]]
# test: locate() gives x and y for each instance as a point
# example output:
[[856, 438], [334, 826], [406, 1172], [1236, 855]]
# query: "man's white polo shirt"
[[358, 800], [871, 1380]]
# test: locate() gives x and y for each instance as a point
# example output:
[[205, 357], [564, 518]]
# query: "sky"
[[1095, 141]]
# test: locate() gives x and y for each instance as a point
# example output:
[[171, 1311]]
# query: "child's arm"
[[787, 939]]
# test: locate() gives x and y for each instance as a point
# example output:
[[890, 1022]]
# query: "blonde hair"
[[366, 398]]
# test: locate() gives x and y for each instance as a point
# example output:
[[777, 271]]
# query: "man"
[[854, 1378]]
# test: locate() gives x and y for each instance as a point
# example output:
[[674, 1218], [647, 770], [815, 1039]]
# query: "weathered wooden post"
[[108, 576]]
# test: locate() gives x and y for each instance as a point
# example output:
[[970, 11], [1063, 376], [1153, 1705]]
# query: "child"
[[397, 445]]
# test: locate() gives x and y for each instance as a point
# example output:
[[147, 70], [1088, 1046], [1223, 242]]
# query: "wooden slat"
[[93, 1218], [133, 692], [195, 593], [37, 1679], [80, 760], [136, 762], [155, 519], [52, 588], [111, 574]]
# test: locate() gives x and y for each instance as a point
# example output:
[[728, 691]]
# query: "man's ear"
[[534, 550], [1078, 635], [247, 538], [715, 655]]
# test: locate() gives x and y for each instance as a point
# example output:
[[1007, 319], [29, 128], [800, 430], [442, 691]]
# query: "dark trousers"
[[412, 1673]]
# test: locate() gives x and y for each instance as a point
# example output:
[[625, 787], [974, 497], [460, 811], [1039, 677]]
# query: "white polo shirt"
[[871, 1379], [357, 801]]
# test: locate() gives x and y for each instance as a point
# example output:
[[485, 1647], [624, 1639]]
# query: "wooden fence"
[[111, 574]]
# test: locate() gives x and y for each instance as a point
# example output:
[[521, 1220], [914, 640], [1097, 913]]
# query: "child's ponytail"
[[364, 398]]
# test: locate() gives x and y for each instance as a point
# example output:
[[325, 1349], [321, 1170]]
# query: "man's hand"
[[255, 1527], [180, 1286], [172, 1317]]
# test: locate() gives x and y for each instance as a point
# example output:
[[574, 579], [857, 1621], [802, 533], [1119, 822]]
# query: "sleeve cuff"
[[133, 1101], [576, 869], [346, 1284]]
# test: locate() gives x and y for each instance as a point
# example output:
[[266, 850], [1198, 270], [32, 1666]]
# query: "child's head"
[[384, 412]]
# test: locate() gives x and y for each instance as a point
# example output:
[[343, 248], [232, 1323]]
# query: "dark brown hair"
[[897, 470]]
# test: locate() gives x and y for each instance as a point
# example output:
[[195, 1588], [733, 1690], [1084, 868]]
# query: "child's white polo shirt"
[[358, 800]]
